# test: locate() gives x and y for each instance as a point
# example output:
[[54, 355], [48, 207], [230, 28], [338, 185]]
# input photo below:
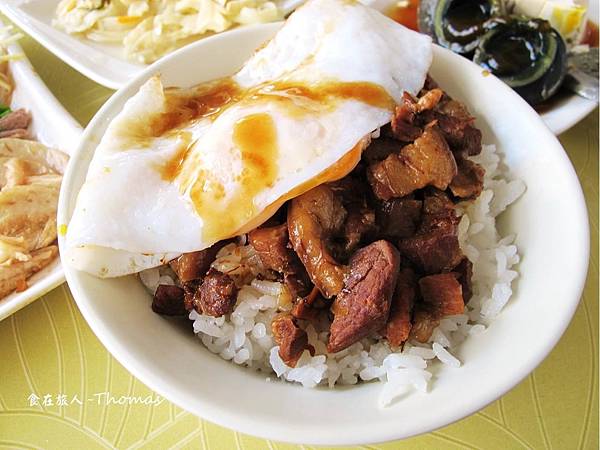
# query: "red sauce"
[[590, 35], [405, 13]]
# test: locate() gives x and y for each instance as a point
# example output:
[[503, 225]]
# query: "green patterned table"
[[48, 350]]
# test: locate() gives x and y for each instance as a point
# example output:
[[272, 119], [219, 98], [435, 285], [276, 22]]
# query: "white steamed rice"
[[245, 335]]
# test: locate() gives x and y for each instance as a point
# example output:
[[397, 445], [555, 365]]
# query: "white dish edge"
[[53, 126]]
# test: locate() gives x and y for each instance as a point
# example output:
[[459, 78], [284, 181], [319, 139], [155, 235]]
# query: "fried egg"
[[180, 169]]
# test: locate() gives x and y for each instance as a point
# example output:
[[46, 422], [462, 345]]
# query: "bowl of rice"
[[526, 234]]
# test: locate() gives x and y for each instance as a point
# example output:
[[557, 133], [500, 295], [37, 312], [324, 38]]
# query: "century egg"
[[527, 54], [457, 24]]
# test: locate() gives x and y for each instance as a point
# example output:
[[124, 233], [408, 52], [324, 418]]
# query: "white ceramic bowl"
[[550, 221]]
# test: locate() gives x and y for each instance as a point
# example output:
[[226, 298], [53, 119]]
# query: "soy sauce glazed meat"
[[375, 254]]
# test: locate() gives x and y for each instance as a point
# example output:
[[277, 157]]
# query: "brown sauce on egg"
[[186, 105], [328, 93], [210, 100], [334, 172], [171, 169], [254, 136]]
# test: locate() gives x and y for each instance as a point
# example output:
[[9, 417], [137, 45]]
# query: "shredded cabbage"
[[7, 37], [148, 29]]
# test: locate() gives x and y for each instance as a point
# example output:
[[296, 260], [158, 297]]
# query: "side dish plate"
[[100, 62], [53, 126]]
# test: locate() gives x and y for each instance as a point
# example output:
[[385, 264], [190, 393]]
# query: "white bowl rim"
[[317, 434]]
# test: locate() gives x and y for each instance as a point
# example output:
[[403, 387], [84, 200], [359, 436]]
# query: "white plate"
[[570, 110], [54, 127], [105, 64], [567, 113], [550, 221]]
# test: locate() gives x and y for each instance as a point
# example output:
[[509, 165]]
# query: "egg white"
[[128, 217]]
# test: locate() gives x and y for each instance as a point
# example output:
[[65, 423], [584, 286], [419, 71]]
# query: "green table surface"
[[47, 349]]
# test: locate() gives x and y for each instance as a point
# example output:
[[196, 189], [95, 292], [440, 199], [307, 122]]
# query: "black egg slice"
[[457, 24], [527, 54]]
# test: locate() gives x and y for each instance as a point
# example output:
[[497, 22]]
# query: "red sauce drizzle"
[[590, 35], [405, 13]]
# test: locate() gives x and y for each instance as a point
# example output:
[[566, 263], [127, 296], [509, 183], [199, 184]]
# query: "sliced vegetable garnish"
[[4, 110]]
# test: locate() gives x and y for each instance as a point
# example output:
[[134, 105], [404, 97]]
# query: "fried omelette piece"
[[14, 274], [33, 152], [30, 177], [29, 212]]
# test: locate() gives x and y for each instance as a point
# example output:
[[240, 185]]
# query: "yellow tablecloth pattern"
[[47, 349]]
